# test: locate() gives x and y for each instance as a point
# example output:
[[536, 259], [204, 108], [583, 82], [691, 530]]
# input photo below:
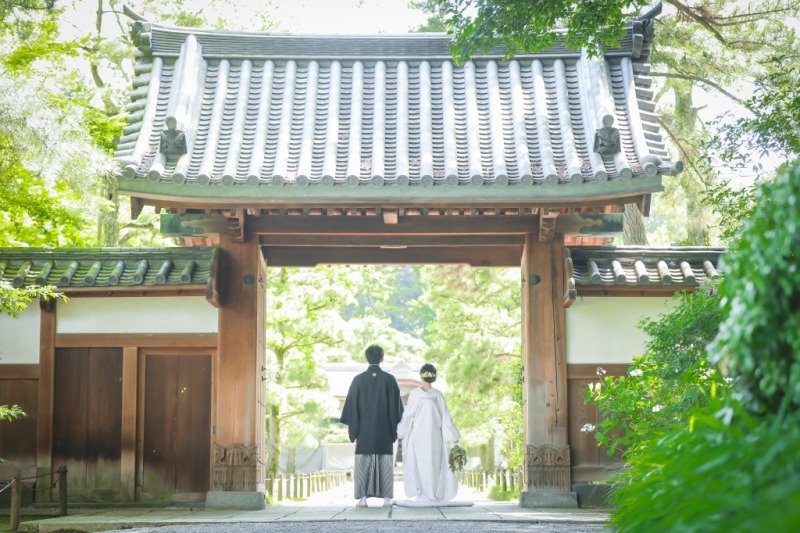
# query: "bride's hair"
[[428, 372]]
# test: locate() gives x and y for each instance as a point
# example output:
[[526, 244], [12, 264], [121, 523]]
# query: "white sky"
[[346, 16], [297, 16]]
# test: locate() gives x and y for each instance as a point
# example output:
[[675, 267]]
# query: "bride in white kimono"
[[427, 430]]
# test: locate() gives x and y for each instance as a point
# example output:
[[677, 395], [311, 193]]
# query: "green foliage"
[[759, 341], [46, 162], [703, 54], [14, 300], [667, 382], [524, 26], [731, 206], [475, 342], [10, 412], [725, 470], [497, 494], [732, 466], [436, 12], [773, 125]]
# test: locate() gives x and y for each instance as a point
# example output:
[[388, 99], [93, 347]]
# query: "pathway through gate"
[[343, 496]]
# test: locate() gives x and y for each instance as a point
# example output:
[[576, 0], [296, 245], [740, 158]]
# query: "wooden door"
[[176, 450], [87, 427]]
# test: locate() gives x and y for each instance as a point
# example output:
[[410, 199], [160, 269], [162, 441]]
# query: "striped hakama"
[[374, 476]]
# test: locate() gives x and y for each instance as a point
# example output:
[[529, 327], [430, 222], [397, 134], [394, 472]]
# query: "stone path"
[[330, 512]]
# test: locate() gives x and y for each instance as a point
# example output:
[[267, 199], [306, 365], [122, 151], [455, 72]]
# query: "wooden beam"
[[544, 353], [197, 224], [650, 291], [133, 292], [589, 371], [130, 368], [340, 241], [157, 340], [47, 368], [408, 225], [240, 419], [486, 256], [20, 371]]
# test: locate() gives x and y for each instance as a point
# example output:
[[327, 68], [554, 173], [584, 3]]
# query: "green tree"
[[667, 382], [523, 26], [475, 341], [711, 52], [746, 438], [303, 321], [437, 13]]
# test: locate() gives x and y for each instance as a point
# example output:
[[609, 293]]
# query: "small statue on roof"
[[173, 141], [606, 139]]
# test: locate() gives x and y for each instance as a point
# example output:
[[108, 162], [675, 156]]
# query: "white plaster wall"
[[603, 330], [167, 314], [19, 337]]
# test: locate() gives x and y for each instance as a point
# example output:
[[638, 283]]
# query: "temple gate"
[[273, 150]]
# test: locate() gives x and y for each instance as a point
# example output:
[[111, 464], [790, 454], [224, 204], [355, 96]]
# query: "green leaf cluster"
[[731, 463], [725, 470], [524, 26], [14, 300], [759, 341], [10, 412], [474, 340], [667, 382]]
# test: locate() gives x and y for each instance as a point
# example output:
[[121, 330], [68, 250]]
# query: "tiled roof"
[[269, 117], [608, 267], [109, 268]]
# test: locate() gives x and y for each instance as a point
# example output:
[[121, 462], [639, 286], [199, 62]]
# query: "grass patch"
[[497, 493]]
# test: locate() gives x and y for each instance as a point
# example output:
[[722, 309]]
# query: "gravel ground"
[[378, 527]]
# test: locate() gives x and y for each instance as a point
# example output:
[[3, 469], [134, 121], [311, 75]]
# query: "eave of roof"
[[629, 270], [392, 120], [113, 270]]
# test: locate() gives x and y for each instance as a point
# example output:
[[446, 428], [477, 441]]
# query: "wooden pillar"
[[240, 360], [47, 366], [547, 454], [130, 380]]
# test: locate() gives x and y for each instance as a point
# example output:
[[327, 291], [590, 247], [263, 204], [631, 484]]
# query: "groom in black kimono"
[[372, 410]]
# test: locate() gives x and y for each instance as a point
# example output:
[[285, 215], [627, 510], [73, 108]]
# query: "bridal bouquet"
[[457, 458]]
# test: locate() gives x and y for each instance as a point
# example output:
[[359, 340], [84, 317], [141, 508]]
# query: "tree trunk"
[[291, 464], [633, 231], [274, 441], [108, 218]]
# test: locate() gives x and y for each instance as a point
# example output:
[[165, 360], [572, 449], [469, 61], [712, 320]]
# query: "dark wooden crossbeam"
[[406, 225], [391, 240], [487, 256], [184, 225]]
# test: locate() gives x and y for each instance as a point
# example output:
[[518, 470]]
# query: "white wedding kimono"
[[426, 430]]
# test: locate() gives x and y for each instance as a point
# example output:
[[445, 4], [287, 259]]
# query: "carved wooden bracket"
[[548, 468], [570, 293], [197, 225], [236, 224], [236, 468], [547, 224], [137, 204]]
